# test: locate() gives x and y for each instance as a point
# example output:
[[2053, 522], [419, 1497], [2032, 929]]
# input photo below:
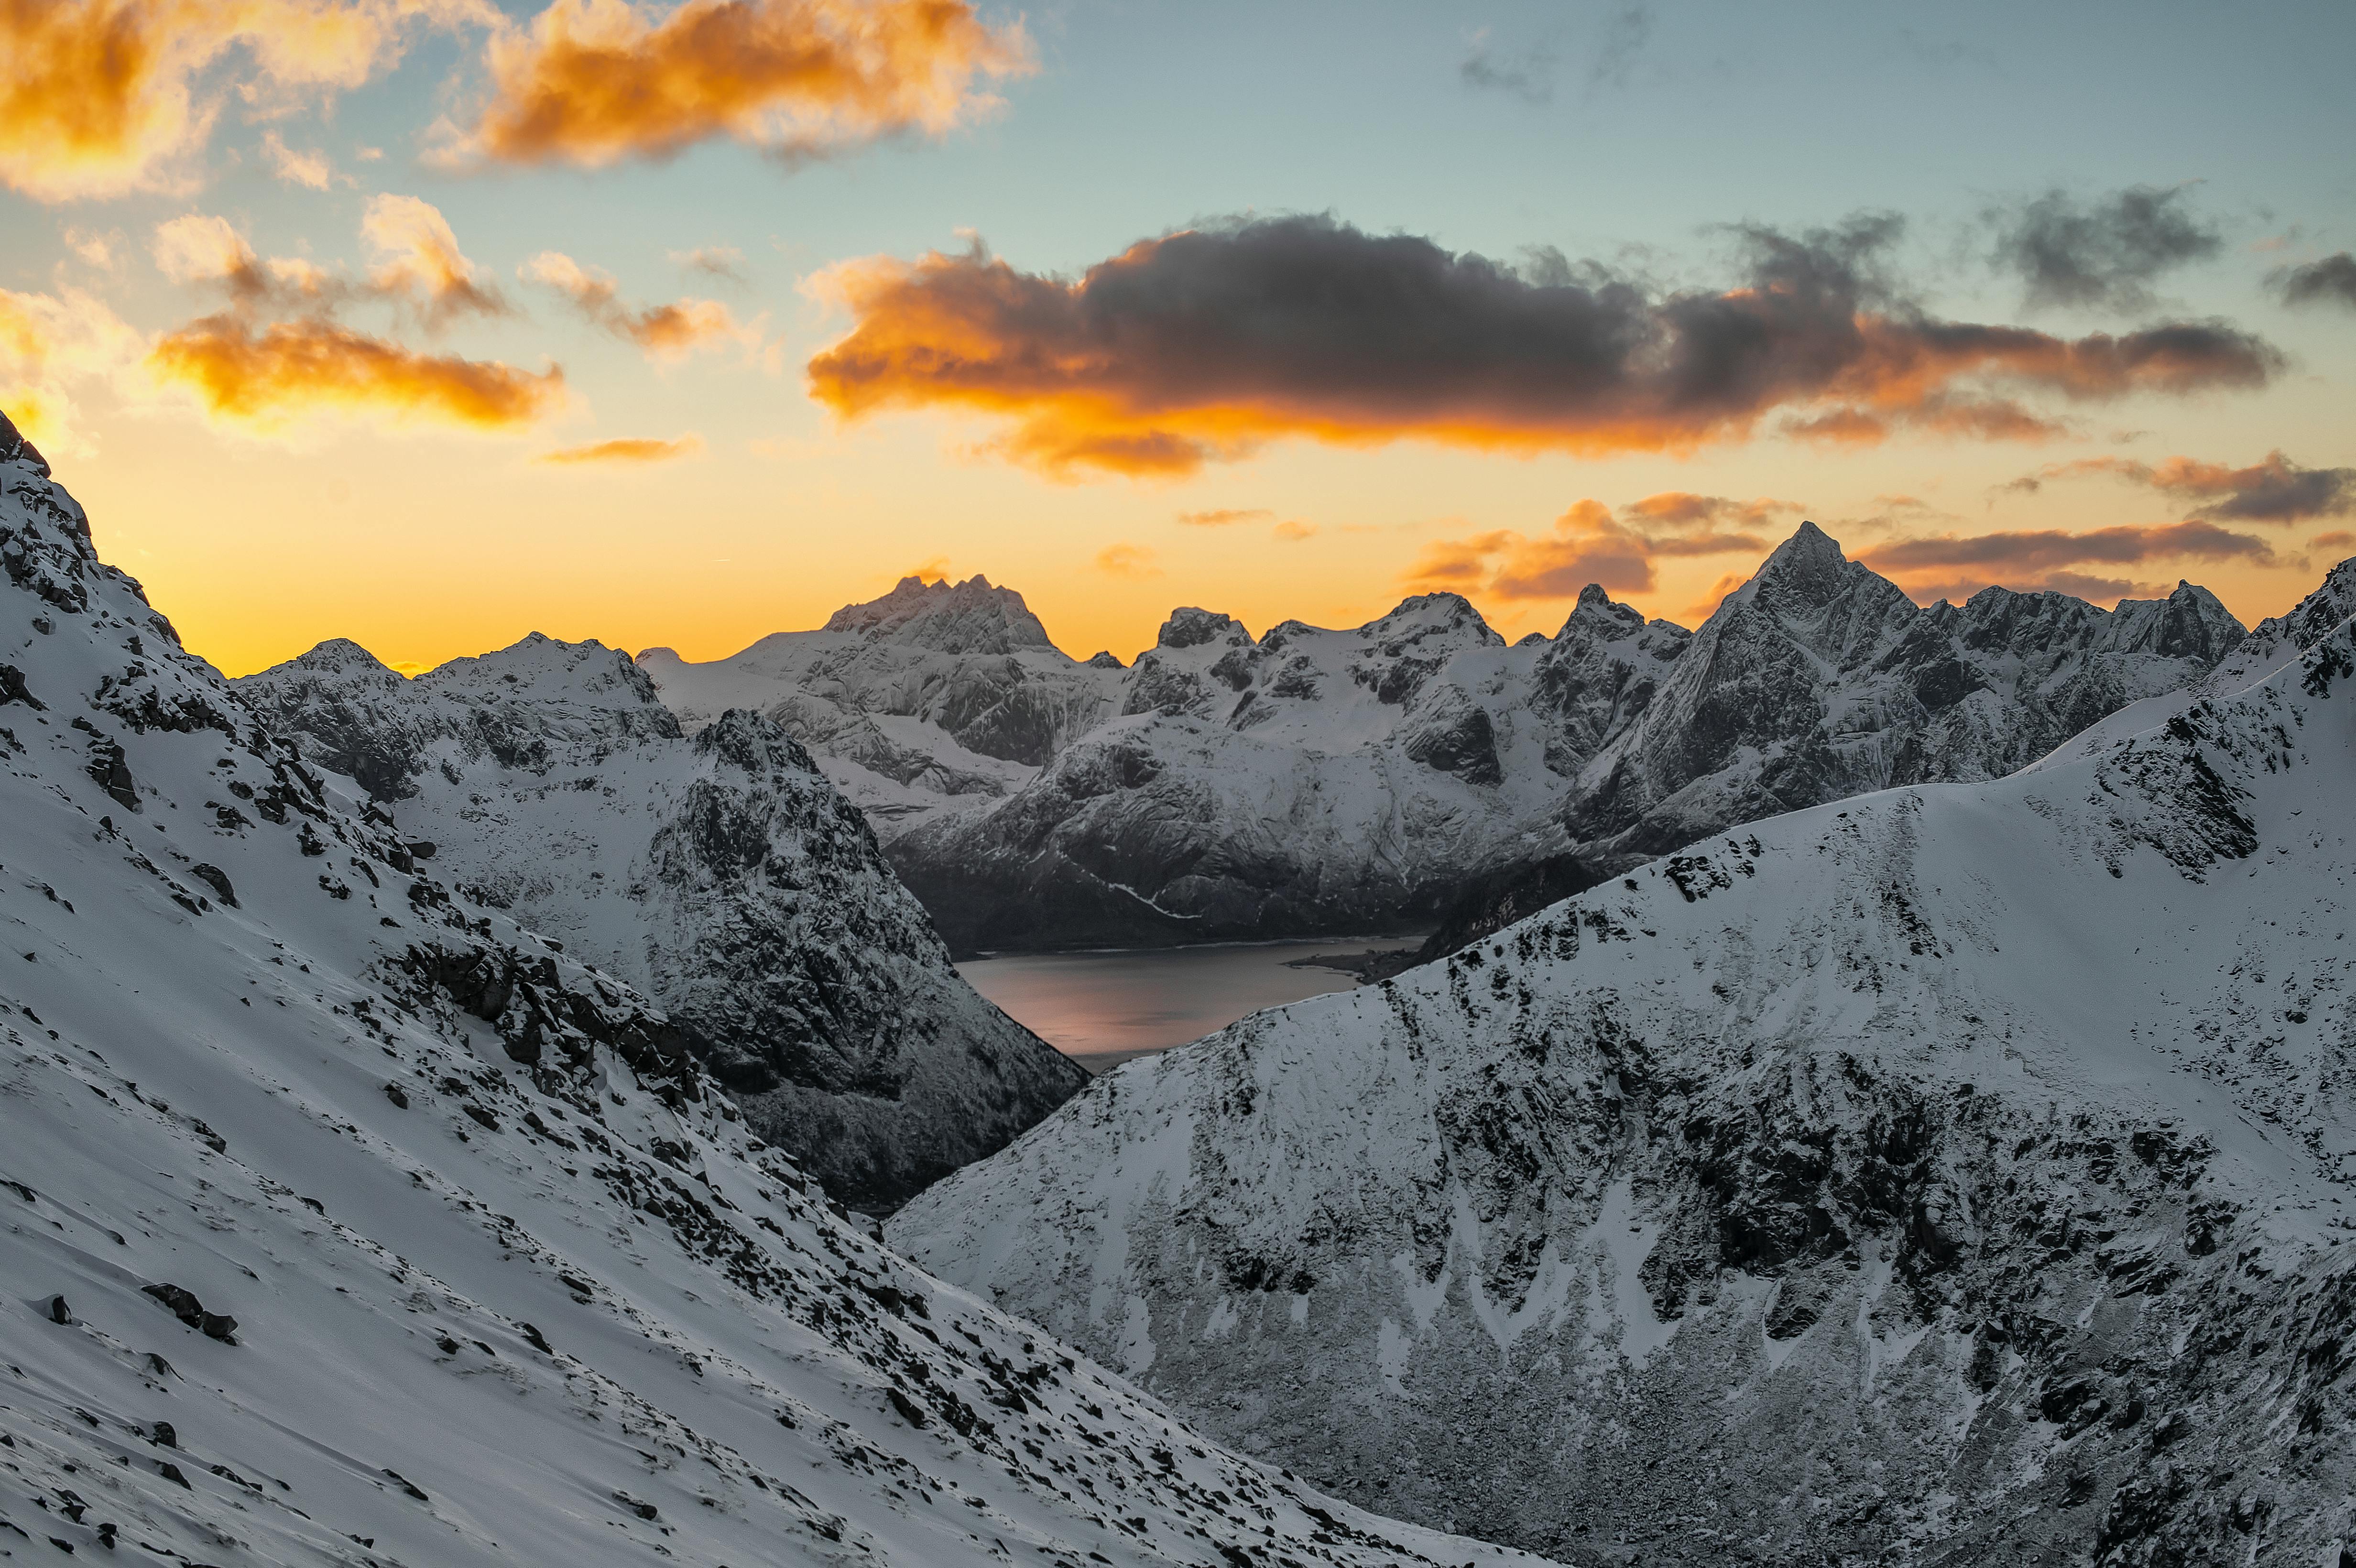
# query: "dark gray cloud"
[[2101, 254], [2331, 281], [1197, 345], [2273, 490]]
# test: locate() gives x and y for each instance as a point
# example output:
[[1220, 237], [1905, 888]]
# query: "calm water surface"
[[1104, 1007]]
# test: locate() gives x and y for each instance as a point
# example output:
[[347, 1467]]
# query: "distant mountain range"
[[1957, 1173], [1415, 770]]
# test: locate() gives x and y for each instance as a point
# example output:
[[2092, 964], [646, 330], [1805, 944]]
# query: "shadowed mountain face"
[[1960, 1171], [349, 1222], [1415, 770], [722, 874]]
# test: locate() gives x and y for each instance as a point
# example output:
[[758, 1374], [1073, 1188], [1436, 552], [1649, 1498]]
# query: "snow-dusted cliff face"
[[1958, 1173], [348, 1222], [1414, 768], [721, 874]]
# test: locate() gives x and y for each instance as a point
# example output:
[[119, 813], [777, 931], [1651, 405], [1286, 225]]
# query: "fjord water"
[[1103, 1007]]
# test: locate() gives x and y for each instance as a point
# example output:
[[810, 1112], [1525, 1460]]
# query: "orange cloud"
[[1221, 517], [1203, 344], [1126, 559], [268, 380], [50, 346], [420, 260], [1589, 544], [627, 450], [1294, 530], [100, 97], [596, 81], [1954, 567], [199, 247], [663, 331]]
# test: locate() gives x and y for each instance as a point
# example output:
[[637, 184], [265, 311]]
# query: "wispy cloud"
[[626, 449], [669, 330], [1125, 560], [1225, 517]]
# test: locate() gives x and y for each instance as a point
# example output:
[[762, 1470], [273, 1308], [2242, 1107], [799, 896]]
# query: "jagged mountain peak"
[[1602, 618], [14, 448], [544, 669], [337, 657], [1190, 627], [1423, 615], [969, 617]]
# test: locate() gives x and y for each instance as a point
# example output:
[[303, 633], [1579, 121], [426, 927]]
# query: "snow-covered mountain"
[[1958, 1173], [721, 875], [348, 1222], [934, 698], [1415, 769]]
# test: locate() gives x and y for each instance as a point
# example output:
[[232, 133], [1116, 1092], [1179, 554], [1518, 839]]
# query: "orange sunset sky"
[[430, 322]]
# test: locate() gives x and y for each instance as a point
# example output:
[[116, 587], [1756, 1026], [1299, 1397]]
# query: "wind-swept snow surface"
[[344, 1222], [1957, 1174], [722, 875]]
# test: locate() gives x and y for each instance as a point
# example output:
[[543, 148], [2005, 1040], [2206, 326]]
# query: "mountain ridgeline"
[[1415, 771]]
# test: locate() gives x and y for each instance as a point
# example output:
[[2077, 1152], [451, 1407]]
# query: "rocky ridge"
[[349, 1223], [721, 874], [1958, 1173]]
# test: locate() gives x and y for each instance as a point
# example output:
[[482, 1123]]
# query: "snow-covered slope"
[[343, 1221], [2271, 643], [1960, 1173], [1414, 768], [722, 875]]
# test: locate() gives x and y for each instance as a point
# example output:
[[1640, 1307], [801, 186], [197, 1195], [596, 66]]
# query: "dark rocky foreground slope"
[[348, 1222], [1415, 771], [1955, 1174], [721, 873]]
